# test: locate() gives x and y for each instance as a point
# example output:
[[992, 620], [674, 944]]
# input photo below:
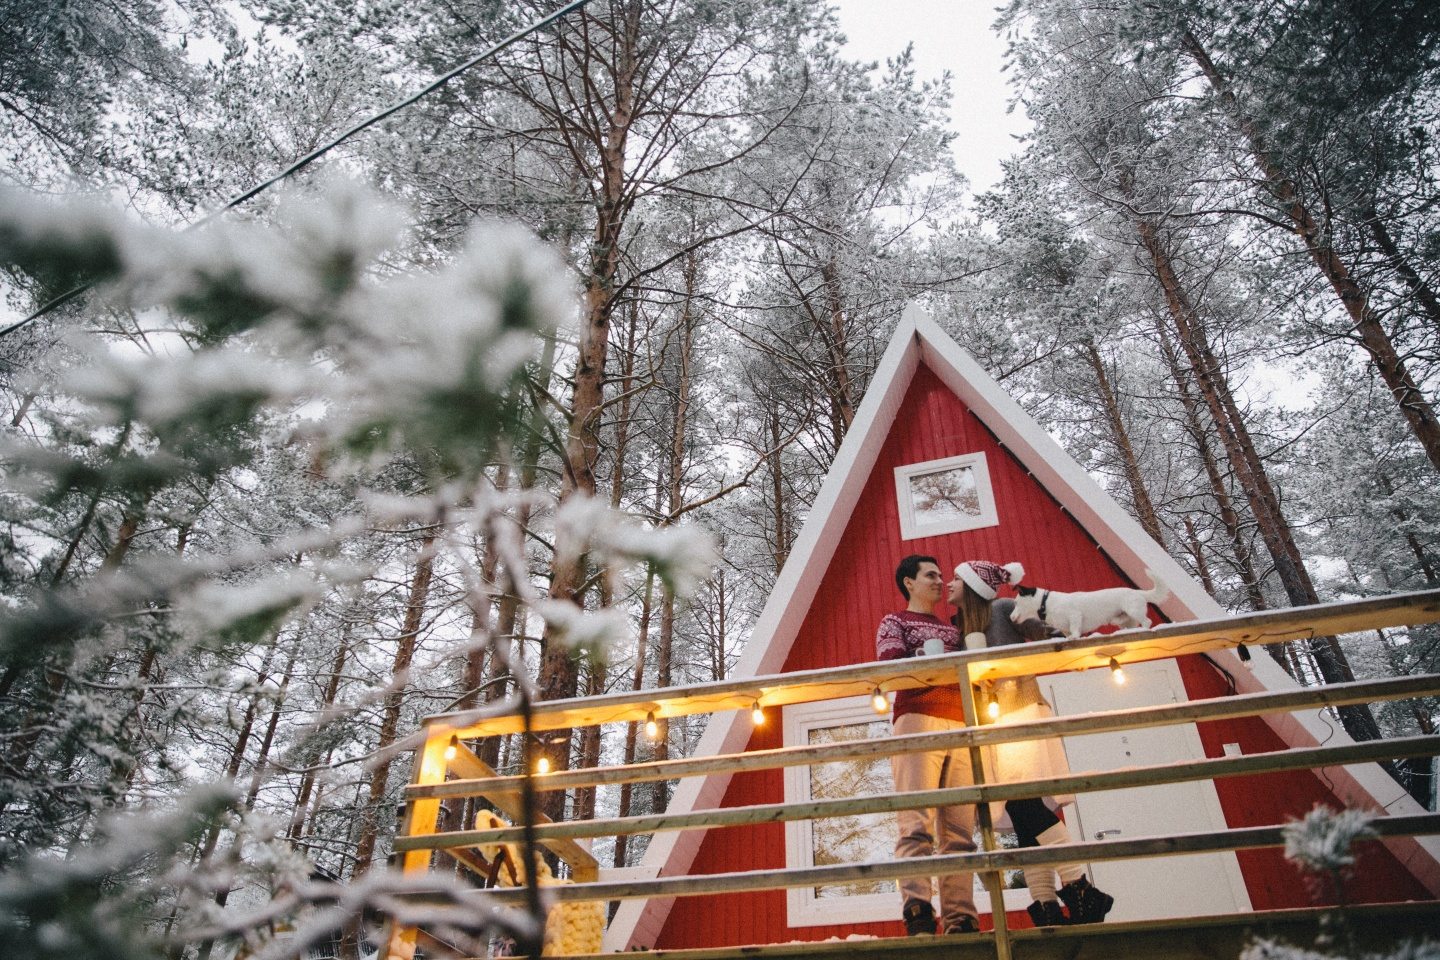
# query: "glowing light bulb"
[[756, 714], [652, 729], [452, 748], [542, 766], [994, 709], [1116, 673], [879, 702]]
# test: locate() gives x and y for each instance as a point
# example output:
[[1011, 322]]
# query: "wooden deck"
[[446, 768], [1375, 927], [1372, 928]]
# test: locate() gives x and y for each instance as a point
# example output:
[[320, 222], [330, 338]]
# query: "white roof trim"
[[1119, 534]]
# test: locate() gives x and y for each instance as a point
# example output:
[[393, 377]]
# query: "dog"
[[1080, 613]]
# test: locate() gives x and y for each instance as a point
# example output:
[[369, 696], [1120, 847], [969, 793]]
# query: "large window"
[[857, 839], [944, 496]]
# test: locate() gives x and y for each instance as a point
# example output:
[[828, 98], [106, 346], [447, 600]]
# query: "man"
[[925, 710]]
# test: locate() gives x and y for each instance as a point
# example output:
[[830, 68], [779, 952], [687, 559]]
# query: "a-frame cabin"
[[932, 411]]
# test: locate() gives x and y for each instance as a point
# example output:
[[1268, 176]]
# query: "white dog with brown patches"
[[1081, 613]]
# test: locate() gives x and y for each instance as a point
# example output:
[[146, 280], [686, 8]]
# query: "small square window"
[[945, 496]]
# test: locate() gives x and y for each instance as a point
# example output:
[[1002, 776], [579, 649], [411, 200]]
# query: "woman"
[[984, 621]]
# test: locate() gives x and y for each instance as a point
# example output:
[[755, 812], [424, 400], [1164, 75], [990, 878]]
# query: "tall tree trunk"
[[129, 527], [780, 514], [1229, 517], [479, 673], [622, 842], [1372, 334], [482, 608], [1419, 289], [595, 679], [83, 527], [1234, 436], [1197, 552], [1286, 654], [721, 626], [311, 812], [257, 778], [1264, 504], [394, 700], [1422, 559], [559, 670], [836, 334], [590, 741], [507, 609], [267, 741], [675, 471], [23, 410], [136, 717], [1144, 508], [56, 676], [242, 744], [327, 701], [624, 404], [143, 672]]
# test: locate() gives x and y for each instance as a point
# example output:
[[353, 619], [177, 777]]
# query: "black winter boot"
[[919, 917], [1047, 913], [1086, 903]]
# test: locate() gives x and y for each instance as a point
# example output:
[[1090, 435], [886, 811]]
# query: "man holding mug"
[[917, 631]]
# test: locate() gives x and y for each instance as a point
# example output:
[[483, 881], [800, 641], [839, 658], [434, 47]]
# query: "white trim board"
[[917, 338]]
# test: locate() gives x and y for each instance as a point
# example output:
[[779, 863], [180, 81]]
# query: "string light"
[[993, 710], [652, 729], [756, 714], [542, 766], [1244, 652], [1116, 673], [452, 748], [879, 702]]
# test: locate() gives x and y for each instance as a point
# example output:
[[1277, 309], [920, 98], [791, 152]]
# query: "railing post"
[[994, 879], [422, 816]]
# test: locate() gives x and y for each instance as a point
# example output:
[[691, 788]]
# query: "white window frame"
[[913, 529], [802, 907]]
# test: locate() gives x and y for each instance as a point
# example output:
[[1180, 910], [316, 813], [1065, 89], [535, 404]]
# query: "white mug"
[[934, 646], [975, 641]]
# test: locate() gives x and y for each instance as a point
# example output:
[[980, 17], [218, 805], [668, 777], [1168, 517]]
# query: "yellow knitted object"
[[569, 927]]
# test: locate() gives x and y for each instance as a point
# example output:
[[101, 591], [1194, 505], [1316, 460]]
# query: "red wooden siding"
[[858, 589], [1273, 883]]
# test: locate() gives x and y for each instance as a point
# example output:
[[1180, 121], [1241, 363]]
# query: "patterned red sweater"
[[903, 635]]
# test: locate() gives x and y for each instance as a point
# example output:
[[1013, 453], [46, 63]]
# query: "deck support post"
[[422, 816], [993, 879]]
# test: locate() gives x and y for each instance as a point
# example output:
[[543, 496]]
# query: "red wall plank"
[[1273, 882]]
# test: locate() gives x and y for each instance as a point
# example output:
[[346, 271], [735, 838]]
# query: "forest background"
[[285, 481]]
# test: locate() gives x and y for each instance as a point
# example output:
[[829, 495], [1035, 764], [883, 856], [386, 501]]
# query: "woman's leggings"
[[1031, 817]]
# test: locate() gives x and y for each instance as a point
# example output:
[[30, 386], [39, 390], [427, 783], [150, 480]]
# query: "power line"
[[316, 154]]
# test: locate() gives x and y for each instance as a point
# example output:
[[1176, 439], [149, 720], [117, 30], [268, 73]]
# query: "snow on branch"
[[1324, 839]]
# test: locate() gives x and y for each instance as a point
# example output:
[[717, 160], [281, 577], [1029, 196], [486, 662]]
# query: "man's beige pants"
[[940, 829]]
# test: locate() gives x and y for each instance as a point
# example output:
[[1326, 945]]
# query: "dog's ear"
[[1025, 591]]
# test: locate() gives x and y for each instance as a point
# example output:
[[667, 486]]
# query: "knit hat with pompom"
[[985, 577]]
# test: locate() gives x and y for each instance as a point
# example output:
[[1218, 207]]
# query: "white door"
[[1178, 886]]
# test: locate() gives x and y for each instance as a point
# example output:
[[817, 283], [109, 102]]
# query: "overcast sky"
[[952, 35]]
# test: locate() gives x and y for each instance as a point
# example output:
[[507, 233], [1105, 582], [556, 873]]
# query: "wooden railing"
[[433, 781]]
